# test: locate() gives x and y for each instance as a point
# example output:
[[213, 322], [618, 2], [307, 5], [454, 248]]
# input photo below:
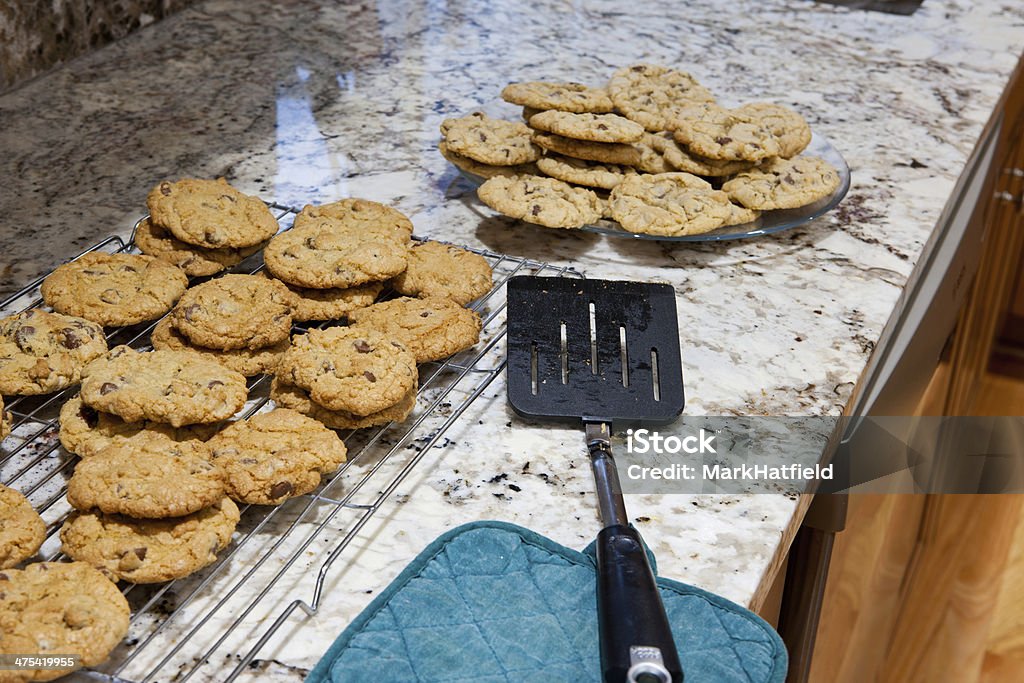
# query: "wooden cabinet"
[[918, 584]]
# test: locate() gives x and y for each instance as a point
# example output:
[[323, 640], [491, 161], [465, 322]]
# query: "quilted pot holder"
[[491, 602]]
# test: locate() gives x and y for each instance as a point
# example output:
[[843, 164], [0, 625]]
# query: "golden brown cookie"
[[175, 387], [150, 550], [331, 303], [572, 97], [432, 328], [353, 369], [489, 141], [5, 420], [542, 201], [290, 396], [727, 135], [589, 173], [42, 352], [333, 254], [474, 167], [669, 204], [274, 456], [235, 312], [53, 609], [114, 289], [359, 215], [593, 127], [149, 479], [444, 270], [22, 531], [86, 431], [789, 128], [784, 184], [248, 362], [601, 152], [194, 261], [651, 94], [210, 213]]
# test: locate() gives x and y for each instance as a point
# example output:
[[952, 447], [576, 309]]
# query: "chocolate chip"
[[789, 179], [190, 310], [601, 126], [89, 415], [4, 577], [535, 210], [638, 68], [212, 237], [369, 376], [280, 489], [22, 336], [424, 314], [362, 346], [141, 552], [397, 345], [71, 340], [165, 189], [723, 140], [110, 296], [107, 387], [229, 198], [483, 138], [310, 242], [248, 461], [214, 383]]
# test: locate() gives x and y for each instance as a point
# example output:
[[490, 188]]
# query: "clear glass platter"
[[767, 223]]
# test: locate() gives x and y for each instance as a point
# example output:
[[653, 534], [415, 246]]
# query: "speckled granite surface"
[[310, 102], [35, 36]]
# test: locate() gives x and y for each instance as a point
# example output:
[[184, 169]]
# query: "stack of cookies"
[[240, 321], [652, 151], [151, 505], [203, 226]]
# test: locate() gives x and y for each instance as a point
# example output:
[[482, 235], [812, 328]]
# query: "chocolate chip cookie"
[[194, 261], [235, 312], [329, 304], [651, 95], [360, 215], [175, 387], [572, 97], [274, 456], [602, 152], [22, 531], [790, 129], [114, 289], [444, 270], [42, 352], [51, 609], [490, 141], [593, 127], [357, 370], [727, 135], [333, 254], [484, 170], [589, 173], [542, 201], [669, 204], [680, 158], [86, 431], [248, 362], [290, 396], [432, 328], [210, 213], [784, 184], [149, 479], [5, 420], [150, 550]]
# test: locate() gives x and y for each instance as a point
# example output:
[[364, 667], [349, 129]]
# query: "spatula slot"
[[565, 355], [533, 368], [593, 339], [624, 353], [654, 374]]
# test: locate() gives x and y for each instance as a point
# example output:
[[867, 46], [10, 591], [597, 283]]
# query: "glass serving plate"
[[767, 223]]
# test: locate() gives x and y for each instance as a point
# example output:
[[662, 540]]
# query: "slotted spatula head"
[[596, 350]]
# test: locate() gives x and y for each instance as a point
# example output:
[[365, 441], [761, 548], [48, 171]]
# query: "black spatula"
[[604, 352]]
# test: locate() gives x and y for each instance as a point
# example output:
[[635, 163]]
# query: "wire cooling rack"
[[202, 627]]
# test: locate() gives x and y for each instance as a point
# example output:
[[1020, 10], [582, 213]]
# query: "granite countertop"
[[312, 101]]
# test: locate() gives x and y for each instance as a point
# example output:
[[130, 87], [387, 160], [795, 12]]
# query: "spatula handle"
[[631, 615]]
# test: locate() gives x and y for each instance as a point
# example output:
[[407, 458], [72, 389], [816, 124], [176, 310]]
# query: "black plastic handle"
[[629, 607]]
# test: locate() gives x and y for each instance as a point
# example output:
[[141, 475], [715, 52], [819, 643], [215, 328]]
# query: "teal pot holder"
[[491, 602]]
